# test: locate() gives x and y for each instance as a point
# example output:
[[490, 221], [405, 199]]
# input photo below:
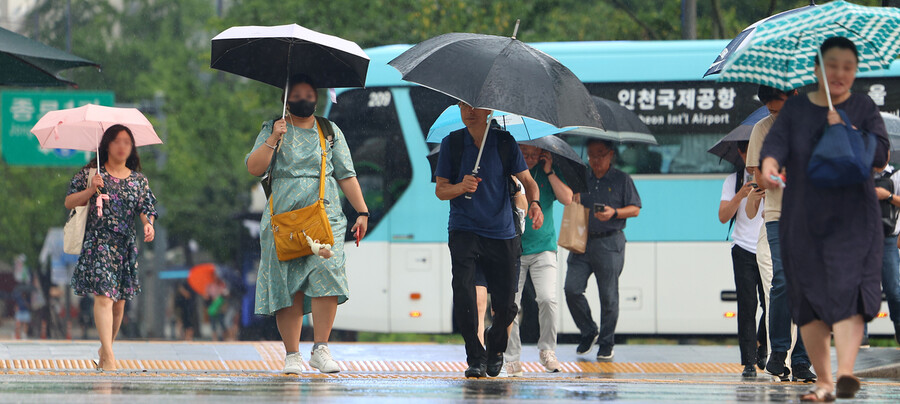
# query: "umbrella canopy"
[[28, 63], [726, 148], [201, 277], [500, 73], [620, 125], [892, 124], [782, 52], [82, 128], [521, 128], [740, 42], [273, 54], [568, 164]]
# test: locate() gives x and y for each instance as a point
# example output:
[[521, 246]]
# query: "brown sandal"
[[818, 395], [847, 386]]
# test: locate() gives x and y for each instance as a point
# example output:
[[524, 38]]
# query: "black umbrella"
[[567, 163], [273, 54], [499, 73], [28, 63], [620, 125], [892, 124], [726, 147], [744, 38]]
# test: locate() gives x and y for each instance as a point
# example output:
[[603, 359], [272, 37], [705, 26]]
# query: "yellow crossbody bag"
[[291, 228]]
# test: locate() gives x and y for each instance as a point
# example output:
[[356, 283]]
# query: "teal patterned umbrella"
[[782, 52]]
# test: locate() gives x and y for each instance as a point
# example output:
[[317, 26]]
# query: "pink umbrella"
[[82, 128]]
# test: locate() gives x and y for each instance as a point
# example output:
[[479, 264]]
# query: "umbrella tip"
[[516, 29]]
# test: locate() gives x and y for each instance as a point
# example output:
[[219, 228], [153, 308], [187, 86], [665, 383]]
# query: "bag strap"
[[321, 172]]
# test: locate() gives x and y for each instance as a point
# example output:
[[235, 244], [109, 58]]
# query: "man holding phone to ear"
[[612, 198]]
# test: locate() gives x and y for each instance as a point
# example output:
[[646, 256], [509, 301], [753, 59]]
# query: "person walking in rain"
[[482, 230], [789, 358], [831, 236], [108, 265], [313, 283], [612, 198], [539, 259], [737, 193], [887, 186]]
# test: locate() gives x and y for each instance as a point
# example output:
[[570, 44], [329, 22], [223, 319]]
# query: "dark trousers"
[[779, 311], [604, 258], [497, 258], [750, 293]]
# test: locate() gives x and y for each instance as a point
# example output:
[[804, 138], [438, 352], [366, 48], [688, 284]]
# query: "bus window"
[[369, 121], [428, 105]]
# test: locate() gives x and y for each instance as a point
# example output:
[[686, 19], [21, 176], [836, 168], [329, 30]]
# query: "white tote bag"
[[73, 232]]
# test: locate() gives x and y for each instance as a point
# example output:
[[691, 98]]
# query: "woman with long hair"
[[107, 267], [314, 283]]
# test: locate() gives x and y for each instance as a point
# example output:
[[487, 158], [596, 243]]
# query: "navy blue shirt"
[[488, 213], [616, 190]]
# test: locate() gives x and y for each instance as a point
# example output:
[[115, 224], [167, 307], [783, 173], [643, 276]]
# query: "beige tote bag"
[[573, 232], [73, 232]]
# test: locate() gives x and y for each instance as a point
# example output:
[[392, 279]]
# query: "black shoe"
[[803, 374], [494, 364], [494, 359], [776, 367], [475, 371], [761, 354], [605, 353], [587, 342], [865, 342], [749, 371]]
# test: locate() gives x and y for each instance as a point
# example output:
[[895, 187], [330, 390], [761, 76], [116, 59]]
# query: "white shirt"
[[746, 231]]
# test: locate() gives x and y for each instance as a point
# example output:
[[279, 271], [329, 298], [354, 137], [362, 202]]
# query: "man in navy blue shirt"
[[482, 231], [612, 197]]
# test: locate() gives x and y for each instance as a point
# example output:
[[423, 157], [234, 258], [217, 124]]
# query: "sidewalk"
[[255, 357]]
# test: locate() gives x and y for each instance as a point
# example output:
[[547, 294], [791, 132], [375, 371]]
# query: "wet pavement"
[[157, 372]]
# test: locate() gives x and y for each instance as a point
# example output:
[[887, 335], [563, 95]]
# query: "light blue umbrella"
[[782, 52], [520, 127]]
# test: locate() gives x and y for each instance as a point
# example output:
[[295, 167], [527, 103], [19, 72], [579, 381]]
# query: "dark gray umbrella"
[[620, 125], [726, 148], [28, 63], [499, 73], [567, 163]]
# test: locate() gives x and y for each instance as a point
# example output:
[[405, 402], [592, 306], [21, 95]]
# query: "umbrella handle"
[[474, 174], [824, 78]]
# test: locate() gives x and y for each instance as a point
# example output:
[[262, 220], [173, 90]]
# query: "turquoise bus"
[[677, 278]]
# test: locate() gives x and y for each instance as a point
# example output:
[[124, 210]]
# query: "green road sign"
[[20, 111]]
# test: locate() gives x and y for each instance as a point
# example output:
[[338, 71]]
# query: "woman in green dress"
[[311, 284]]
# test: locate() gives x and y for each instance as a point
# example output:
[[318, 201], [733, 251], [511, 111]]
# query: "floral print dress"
[[108, 263]]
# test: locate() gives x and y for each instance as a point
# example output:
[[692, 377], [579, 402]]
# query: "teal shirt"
[[543, 239]]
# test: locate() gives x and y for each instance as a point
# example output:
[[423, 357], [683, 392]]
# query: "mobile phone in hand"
[[599, 208]]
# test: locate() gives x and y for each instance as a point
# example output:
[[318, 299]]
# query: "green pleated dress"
[[295, 185]]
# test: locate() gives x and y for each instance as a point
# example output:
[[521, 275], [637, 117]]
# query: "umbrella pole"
[[284, 107], [487, 129], [825, 79]]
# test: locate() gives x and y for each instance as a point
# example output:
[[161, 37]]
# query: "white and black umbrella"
[[500, 73], [273, 54]]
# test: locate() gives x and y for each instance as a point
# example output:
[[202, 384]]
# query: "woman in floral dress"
[[107, 268], [315, 283]]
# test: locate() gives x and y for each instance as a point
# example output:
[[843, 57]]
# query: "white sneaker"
[[293, 364], [549, 361], [514, 369], [321, 359]]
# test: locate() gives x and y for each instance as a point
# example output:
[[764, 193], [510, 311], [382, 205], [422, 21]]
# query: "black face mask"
[[302, 108]]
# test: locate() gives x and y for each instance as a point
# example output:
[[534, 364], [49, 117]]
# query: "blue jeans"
[[779, 312], [890, 277]]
